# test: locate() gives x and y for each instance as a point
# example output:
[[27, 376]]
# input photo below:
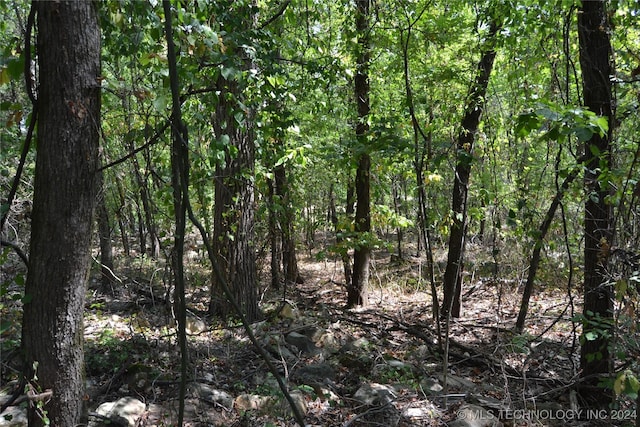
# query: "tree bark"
[[233, 222], [180, 186], [274, 235], [595, 51], [104, 235], [470, 122], [358, 288], [289, 258], [333, 217], [63, 207]]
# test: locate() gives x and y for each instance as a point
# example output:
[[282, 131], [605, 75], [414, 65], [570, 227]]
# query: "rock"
[[195, 325], [359, 344], [211, 395], [355, 356], [253, 402], [475, 416], [329, 342], [288, 311], [298, 400], [124, 412], [374, 393], [460, 383], [431, 386], [14, 416], [302, 342], [316, 373], [426, 411]]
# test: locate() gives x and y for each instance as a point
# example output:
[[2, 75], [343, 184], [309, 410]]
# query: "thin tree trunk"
[[333, 215], [470, 122], [358, 288], [124, 235], [104, 235], [535, 255], [595, 50], [289, 258], [63, 208], [274, 235], [180, 185], [398, 213]]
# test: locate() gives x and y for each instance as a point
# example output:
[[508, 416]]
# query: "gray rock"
[[301, 342], [458, 382], [14, 416], [426, 411], [431, 386], [375, 393], [321, 373], [211, 395], [253, 402], [124, 412]]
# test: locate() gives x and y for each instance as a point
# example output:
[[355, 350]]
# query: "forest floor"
[[382, 365]]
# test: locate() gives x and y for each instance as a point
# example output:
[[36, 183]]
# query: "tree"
[[234, 216], [357, 289], [464, 147], [595, 51], [68, 47]]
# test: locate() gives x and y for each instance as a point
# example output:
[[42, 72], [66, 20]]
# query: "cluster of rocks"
[[317, 362]]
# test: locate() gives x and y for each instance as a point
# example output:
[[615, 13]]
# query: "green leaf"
[[618, 385], [633, 383], [4, 76], [161, 103], [229, 73], [621, 289], [591, 336], [583, 134]]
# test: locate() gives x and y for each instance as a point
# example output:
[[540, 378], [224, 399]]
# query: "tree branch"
[[17, 250], [278, 14]]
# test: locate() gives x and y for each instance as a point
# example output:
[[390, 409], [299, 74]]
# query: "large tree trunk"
[[470, 122], [357, 289], [233, 222], [63, 207], [595, 50]]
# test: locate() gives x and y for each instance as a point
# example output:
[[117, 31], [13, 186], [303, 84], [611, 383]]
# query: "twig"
[[279, 13], [17, 250]]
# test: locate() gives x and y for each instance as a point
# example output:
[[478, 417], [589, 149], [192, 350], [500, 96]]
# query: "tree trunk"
[[63, 207], [333, 216], [535, 255], [121, 214], [104, 235], [274, 235], [180, 186], [357, 289], [595, 50], [470, 122], [233, 222], [289, 258]]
